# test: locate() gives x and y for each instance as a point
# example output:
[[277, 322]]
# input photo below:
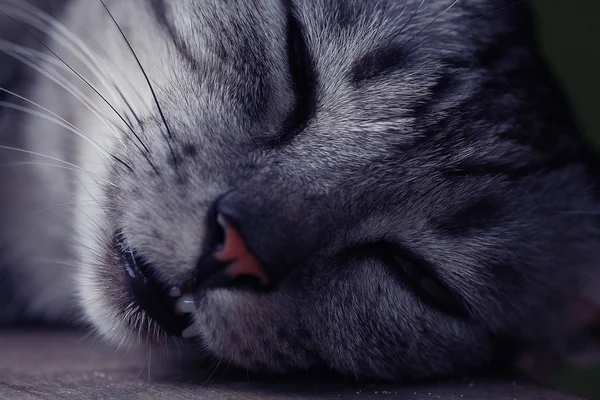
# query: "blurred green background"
[[570, 37]]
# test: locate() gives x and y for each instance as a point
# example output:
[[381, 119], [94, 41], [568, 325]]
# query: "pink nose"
[[235, 251]]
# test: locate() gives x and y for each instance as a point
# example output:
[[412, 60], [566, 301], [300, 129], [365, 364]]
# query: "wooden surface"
[[63, 365]]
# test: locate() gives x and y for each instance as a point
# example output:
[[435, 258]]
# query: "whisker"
[[68, 265], [36, 163], [74, 72], [101, 232], [146, 151], [429, 38], [85, 101], [403, 9], [163, 74], [37, 105], [105, 101], [16, 149], [134, 114], [213, 372], [67, 127], [65, 84], [87, 335], [56, 120], [410, 18], [65, 37], [120, 161], [162, 115], [89, 102], [86, 248], [430, 23], [149, 361], [50, 208]]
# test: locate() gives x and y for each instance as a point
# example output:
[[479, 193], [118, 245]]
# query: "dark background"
[[570, 36], [569, 33]]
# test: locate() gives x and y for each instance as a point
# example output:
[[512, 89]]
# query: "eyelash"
[[303, 77], [419, 278], [425, 285], [415, 274]]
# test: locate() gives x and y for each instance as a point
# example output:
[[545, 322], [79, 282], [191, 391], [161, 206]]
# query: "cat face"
[[391, 180]]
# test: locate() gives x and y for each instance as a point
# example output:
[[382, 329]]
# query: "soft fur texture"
[[351, 140]]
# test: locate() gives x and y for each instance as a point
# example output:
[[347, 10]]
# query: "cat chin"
[[101, 315], [100, 288], [113, 315], [207, 336]]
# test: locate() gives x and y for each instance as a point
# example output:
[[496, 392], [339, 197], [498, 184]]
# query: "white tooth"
[[188, 332], [175, 291], [185, 304]]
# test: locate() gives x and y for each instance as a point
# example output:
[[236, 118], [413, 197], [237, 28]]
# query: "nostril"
[[227, 261], [219, 235], [215, 233], [234, 250]]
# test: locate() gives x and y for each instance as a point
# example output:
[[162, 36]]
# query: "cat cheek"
[[251, 331]]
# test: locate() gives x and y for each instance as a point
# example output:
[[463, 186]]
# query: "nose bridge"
[[280, 220]]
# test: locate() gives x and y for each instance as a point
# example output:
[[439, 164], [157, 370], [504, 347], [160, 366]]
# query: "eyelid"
[[430, 286], [414, 273], [303, 76], [422, 281]]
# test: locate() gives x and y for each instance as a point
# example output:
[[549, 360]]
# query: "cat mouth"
[[231, 265]]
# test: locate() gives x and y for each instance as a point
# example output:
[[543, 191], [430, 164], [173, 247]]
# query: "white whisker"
[[66, 38], [54, 207], [430, 23], [69, 265], [447, 30], [42, 164], [34, 153], [58, 121], [15, 52]]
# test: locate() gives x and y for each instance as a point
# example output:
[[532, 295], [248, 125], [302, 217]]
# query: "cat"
[[390, 189]]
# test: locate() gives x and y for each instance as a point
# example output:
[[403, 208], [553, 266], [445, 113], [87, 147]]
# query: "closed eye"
[[425, 285], [417, 275], [303, 78]]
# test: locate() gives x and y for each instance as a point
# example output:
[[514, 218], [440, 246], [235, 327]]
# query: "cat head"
[[387, 188]]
